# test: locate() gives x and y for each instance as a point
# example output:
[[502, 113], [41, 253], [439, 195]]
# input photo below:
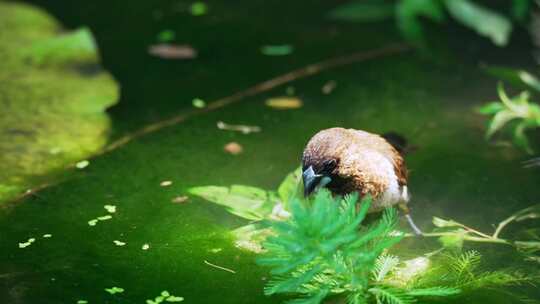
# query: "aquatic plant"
[[324, 250], [518, 109], [407, 13]]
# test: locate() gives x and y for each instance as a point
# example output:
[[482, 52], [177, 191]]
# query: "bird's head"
[[317, 175]]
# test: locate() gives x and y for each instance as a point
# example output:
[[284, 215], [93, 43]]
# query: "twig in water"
[[219, 267]]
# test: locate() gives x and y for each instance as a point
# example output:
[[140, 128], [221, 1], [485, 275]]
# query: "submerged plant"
[[408, 13], [322, 250], [517, 108]]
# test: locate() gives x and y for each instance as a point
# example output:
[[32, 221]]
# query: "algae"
[[53, 97]]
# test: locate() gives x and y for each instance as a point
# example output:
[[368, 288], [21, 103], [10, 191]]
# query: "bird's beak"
[[311, 180]]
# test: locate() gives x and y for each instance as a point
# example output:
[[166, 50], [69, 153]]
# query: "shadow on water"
[[454, 173]]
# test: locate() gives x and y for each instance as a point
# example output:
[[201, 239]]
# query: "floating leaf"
[[110, 208], [363, 11], [145, 247], [119, 243], [46, 236], [174, 299], [289, 187], [233, 148], [114, 290], [27, 243], [483, 20], [245, 201], [165, 183], [198, 8], [277, 50], [166, 36], [198, 103], [284, 103], [92, 222], [82, 164], [105, 217], [172, 51], [82, 302]]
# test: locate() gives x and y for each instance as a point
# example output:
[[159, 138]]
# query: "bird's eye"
[[329, 164]]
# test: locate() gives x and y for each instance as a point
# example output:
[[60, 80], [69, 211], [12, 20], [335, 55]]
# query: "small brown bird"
[[348, 160]]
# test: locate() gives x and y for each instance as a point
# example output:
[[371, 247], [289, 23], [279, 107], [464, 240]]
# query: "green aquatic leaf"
[[520, 9], [491, 108], [454, 240], [499, 121], [363, 11], [166, 36], [290, 186], [516, 77], [481, 19], [408, 13], [520, 138], [248, 202], [114, 290], [198, 8], [439, 222], [277, 50]]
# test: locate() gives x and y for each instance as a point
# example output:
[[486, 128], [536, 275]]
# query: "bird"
[[348, 160]]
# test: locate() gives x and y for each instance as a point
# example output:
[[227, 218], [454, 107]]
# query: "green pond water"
[[429, 99]]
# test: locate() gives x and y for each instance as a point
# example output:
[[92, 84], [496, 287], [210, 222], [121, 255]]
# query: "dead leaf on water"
[[233, 148], [240, 128], [329, 87], [180, 199], [172, 51], [284, 103], [165, 183]]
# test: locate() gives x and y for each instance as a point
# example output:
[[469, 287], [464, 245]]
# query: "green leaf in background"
[[520, 9], [166, 36], [516, 77], [499, 120], [520, 138], [408, 13], [277, 50], [198, 8], [248, 202], [439, 222], [491, 108], [363, 11], [290, 186], [484, 21]]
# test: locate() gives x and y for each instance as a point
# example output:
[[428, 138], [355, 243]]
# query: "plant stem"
[[502, 225], [487, 239]]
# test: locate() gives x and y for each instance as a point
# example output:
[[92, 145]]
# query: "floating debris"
[[198, 103], [240, 128], [119, 243], [166, 183], [329, 87], [284, 103], [27, 243], [219, 267], [216, 250], [110, 208], [180, 199], [93, 222], [165, 296], [114, 290], [198, 8], [166, 36], [145, 247], [105, 217], [46, 236], [82, 164], [233, 148], [277, 50], [172, 51], [82, 302]]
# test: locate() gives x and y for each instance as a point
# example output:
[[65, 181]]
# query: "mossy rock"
[[53, 95]]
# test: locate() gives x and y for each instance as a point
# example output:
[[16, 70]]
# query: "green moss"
[[53, 97]]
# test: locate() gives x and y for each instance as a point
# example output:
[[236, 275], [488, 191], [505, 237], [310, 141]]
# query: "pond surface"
[[454, 172]]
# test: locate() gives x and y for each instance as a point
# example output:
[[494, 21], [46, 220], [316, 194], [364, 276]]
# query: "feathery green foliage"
[[324, 250]]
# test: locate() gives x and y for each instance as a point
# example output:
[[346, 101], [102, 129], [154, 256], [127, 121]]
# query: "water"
[[454, 172]]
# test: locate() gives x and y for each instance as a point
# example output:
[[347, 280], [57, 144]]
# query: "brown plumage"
[[356, 160]]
